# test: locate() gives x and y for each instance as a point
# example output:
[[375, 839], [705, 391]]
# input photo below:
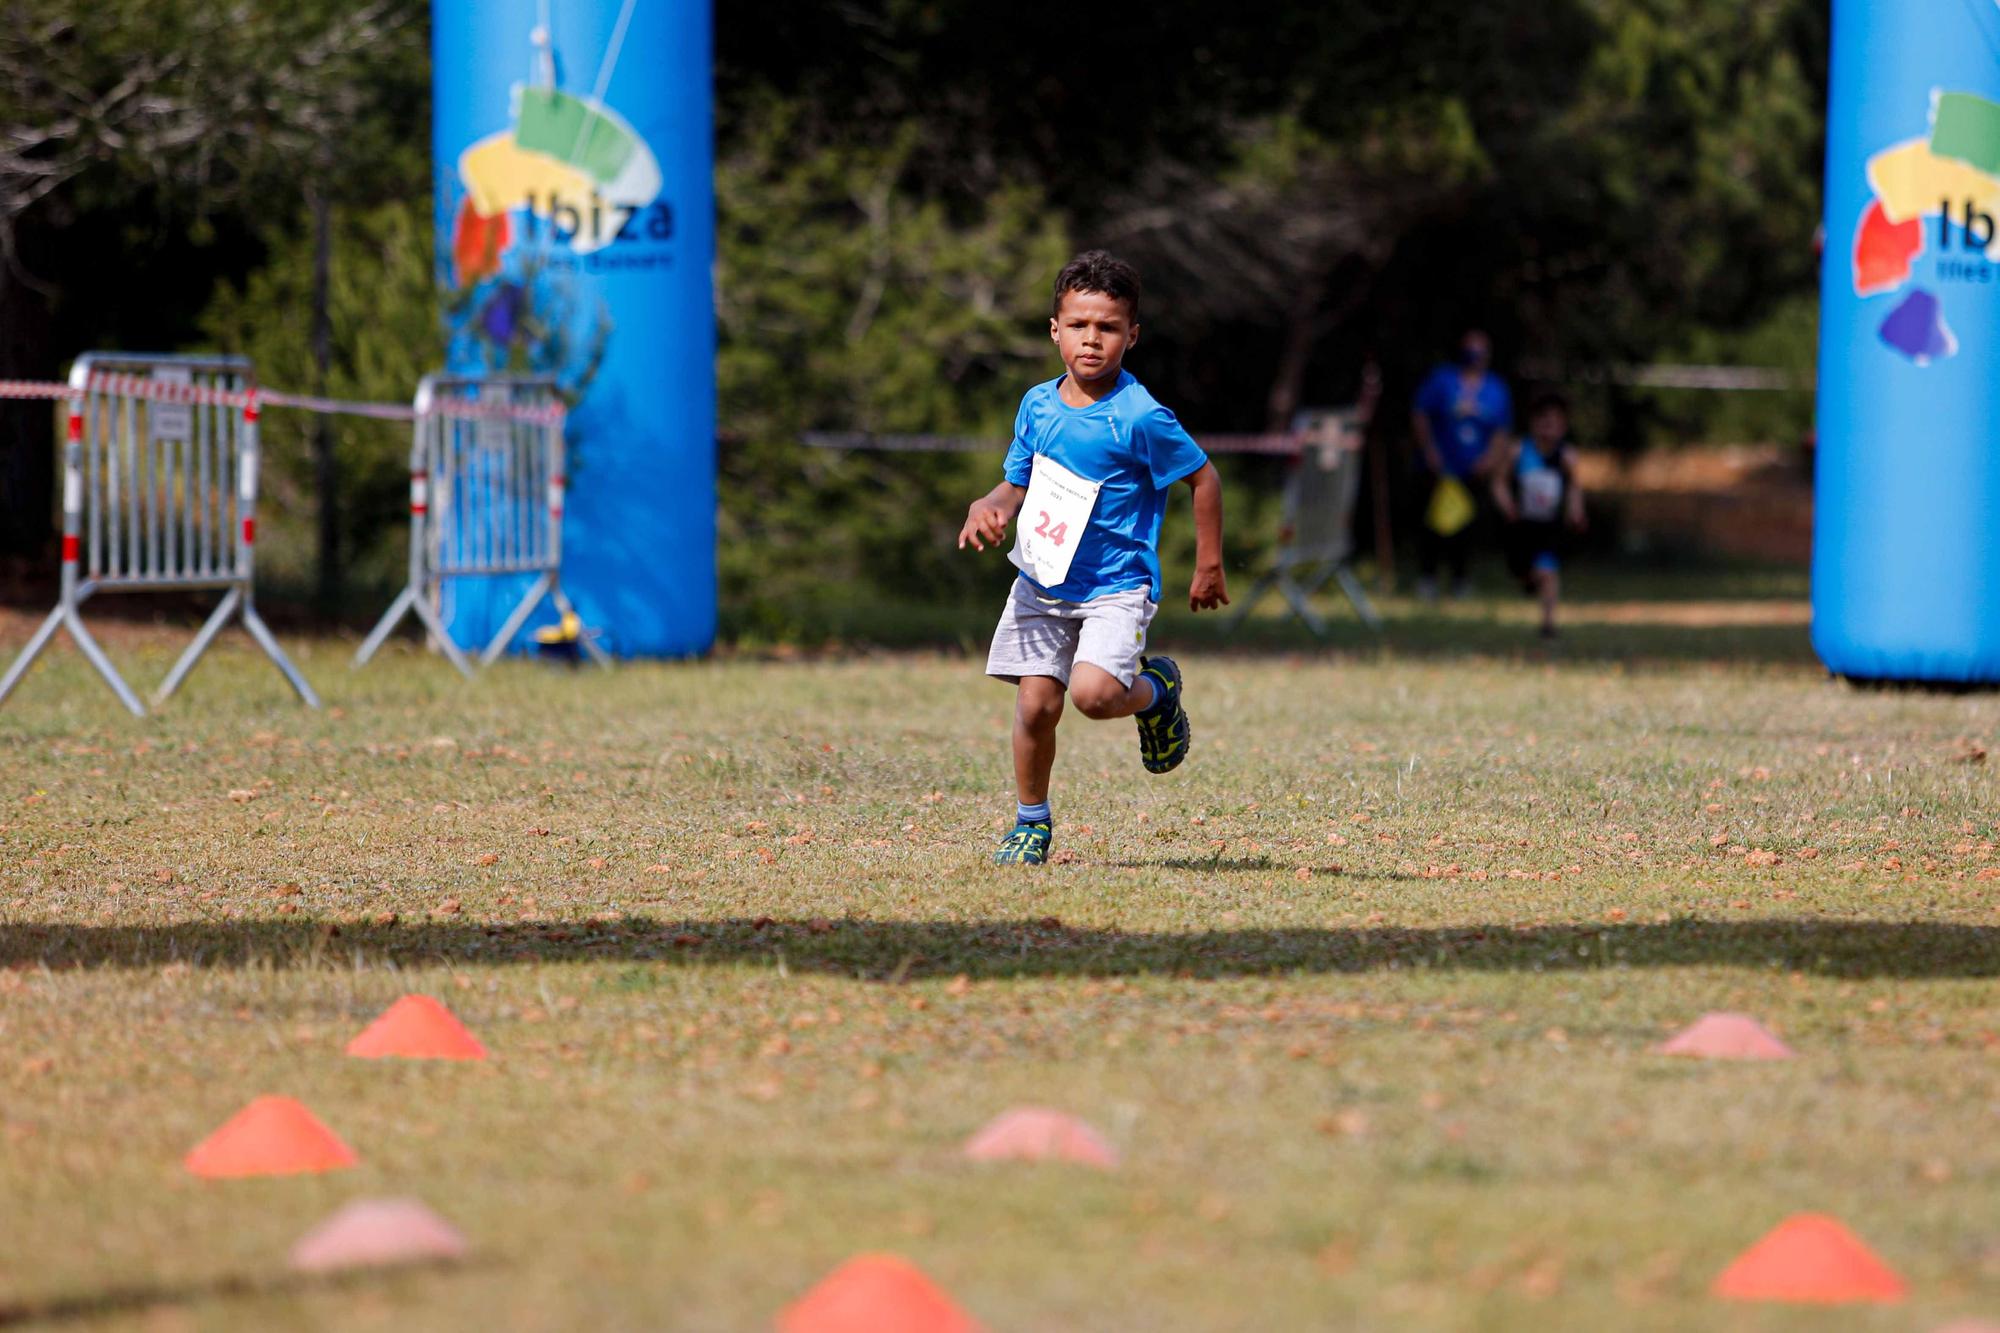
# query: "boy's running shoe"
[[1164, 731], [1027, 845]]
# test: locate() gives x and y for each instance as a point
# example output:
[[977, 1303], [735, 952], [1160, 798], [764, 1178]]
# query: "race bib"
[[1541, 494], [1052, 521]]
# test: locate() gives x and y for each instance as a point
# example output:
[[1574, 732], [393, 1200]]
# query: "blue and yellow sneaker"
[[1027, 845], [1165, 733]]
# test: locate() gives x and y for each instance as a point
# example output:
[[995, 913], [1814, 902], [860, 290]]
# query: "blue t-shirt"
[[1132, 445], [1463, 424]]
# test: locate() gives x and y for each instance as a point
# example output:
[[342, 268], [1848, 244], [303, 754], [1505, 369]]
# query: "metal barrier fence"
[[1318, 538], [486, 500], [159, 495]]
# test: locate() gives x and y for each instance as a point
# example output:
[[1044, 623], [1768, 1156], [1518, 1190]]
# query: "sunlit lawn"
[[1364, 995]]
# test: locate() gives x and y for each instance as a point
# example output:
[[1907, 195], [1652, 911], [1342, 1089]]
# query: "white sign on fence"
[[170, 421]]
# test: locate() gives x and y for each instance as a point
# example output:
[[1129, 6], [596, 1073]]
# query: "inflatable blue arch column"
[[1906, 541], [575, 205]]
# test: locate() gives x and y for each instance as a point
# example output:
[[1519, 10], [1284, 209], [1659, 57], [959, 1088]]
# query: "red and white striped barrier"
[[145, 388], [160, 465], [486, 500], [159, 494]]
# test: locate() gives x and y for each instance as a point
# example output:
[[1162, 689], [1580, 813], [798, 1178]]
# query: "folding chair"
[[1320, 494]]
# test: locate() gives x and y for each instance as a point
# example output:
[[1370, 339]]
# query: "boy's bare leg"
[[1548, 584], [1098, 694], [1038, 706]]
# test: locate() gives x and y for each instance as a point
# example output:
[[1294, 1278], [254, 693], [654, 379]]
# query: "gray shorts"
[[1045, 636]]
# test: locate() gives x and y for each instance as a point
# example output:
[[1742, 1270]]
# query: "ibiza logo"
[[1949, 179], [575, 172]]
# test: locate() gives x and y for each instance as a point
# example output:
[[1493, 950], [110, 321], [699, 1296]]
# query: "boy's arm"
[[1499, 453], [1209, 589], [1503, 494], [1577, 518], [988, 516]]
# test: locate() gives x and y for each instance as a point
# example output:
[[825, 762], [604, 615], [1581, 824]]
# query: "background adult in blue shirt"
[[1463, 421]]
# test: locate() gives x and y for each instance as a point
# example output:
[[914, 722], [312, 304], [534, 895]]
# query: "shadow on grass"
[[1600, 644], [1490, 628], [141, 1297], [879, 950], [1501, 628]]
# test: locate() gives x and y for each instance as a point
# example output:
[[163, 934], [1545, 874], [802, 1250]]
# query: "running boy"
[[1538, 495], [1088, 473]]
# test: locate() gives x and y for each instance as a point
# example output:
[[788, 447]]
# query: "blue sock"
[[1032, 814], [1149, 683]]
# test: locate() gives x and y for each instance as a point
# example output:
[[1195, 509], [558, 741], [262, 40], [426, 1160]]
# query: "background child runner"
[[1088, 472], [1538, 495]]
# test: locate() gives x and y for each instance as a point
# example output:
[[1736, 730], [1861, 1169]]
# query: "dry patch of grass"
[[1364, 995]]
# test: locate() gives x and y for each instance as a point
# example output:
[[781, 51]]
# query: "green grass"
[[1632, 615], [1364, 994]]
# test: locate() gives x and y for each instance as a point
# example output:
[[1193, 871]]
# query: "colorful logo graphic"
[[568, 161], [568, 187], [1944, 189]]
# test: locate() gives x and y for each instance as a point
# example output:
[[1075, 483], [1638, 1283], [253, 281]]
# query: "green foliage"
[[1597, 181], [1664, 209], [850, 300], [211, 105], [1789, 341], [1600, 182], [1696, 129], [386, 335]]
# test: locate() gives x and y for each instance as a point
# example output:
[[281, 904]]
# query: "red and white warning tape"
[[466, 409], [342, 406], [152, 390], [33, 389]]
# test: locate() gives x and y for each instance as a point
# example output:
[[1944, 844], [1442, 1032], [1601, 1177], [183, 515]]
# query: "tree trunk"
[[1385, 540], [1302, 327], [326, 473]]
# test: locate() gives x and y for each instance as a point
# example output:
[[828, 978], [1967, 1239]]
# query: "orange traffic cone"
[[875, 1293], [1036, 1134], [417, 1027], [1727, 1037], [1810, 1258], [272, 1136]]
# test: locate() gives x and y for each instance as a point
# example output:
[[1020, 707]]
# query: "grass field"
[[1364, 994]]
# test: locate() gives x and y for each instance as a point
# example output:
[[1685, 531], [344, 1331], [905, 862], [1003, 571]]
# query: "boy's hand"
[[1209, 589], [984, 518]]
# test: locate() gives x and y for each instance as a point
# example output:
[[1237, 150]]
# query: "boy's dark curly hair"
[[1099, 271]]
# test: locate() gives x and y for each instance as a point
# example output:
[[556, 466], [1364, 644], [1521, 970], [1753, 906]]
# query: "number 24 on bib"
[[1052, 521]]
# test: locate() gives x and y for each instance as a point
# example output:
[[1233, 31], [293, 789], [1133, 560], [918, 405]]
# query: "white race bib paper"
[[1052, 521], [1541, 494]]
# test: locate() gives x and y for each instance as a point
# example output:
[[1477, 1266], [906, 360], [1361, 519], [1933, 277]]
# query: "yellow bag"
[[1451, 507]]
